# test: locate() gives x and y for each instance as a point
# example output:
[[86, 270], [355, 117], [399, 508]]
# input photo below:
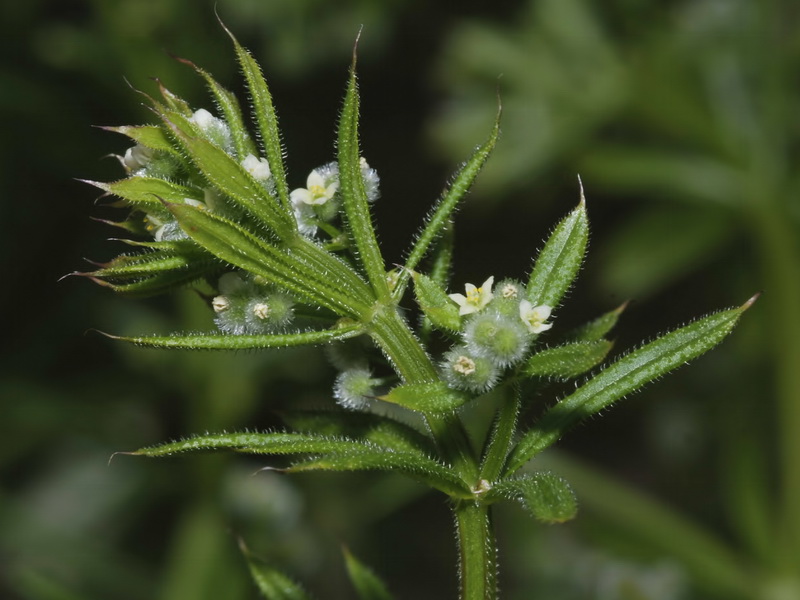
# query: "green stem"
[[413, 364], [477, 551], [476, 543]]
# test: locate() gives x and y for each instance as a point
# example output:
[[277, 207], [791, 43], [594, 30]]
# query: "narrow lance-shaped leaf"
[[258, 443], [242, 249], [439, 217], [159, 283], [212, 341], [436, 305], [414, 465], [231, 111], [151, 136], [272, 583], [354, 196], [595, 330], [360, 426], [560, 260], [148, 192], [174, 101], [429, 398], [569, 360], [132, 266], [625, 376], [499, 440], [440, 271], [266, 119], [368, 585], [548, 497]]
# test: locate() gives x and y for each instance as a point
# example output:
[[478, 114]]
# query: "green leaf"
[[548, 497], [266, 119], [232, 179], [429, 398], [595, 330], [273, 584], [625, 376], [174, 102], [559, 261], [567, 361], [229, 107], [240, 248], [435, 304], [149, 192], [211, 341], [354, 196], [151, 136], [360, 426], [441, 214], [368, 586], [499, 441], [413, 464], [133, 266], [159, 283], [259, 443]]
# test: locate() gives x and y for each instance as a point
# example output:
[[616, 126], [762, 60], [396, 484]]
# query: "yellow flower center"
[[474, 296], [317, 191]]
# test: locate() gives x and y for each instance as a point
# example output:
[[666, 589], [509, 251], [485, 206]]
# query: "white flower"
[[476, 299], [534, 317], [315, 192], [257, 167]]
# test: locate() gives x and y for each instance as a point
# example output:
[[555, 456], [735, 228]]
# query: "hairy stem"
[[477, 551]]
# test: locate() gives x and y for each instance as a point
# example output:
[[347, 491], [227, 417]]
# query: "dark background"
[[681, 118]]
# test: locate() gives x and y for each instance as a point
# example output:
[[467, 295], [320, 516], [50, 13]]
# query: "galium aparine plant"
[[210, 205]]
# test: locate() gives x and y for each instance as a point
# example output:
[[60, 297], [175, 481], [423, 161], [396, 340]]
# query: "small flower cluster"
[[496, 334], [247, 306], [320, 203], [141, 161]]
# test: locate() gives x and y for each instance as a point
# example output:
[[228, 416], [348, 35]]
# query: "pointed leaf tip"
[[583, 196], [751, 301], [104, 334], [355, 45], [110, 458]]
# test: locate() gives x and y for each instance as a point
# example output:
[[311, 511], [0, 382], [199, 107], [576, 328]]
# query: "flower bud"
[[137, 157], [213, 129]]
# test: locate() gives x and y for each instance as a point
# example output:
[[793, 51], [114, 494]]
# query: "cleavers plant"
[[210, 206]]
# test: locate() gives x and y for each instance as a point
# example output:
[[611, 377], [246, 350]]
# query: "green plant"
[[210, 207]]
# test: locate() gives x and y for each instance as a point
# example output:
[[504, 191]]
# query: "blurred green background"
[[681, 117]]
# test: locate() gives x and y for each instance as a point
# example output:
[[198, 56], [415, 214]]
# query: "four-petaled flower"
[[315, 192], [534, 317], [476, 299]]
